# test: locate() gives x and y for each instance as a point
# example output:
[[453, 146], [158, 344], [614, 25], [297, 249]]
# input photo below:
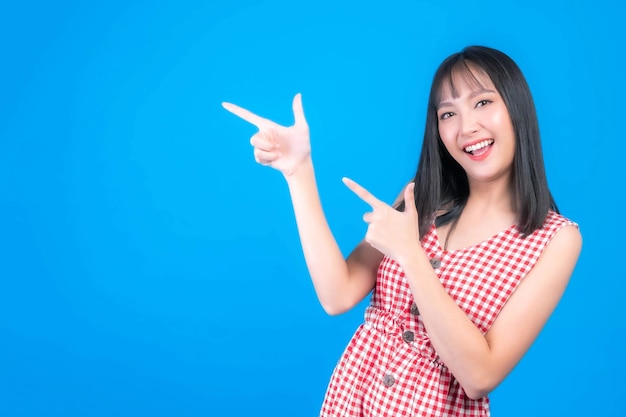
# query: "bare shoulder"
[[562, 251], [539, 292], [542, 288], [559, 257], [568, 240], [533, 302]]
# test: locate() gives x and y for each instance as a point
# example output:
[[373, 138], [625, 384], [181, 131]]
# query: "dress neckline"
[[433, 230]]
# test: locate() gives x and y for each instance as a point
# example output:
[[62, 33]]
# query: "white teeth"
[[479, 145]]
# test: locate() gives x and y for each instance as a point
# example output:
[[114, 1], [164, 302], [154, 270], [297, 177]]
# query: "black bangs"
[[459, 70], [441, 183]]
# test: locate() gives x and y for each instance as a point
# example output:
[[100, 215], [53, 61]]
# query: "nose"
[[469, 124]]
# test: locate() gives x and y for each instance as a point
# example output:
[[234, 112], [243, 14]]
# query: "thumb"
[[298, 111], [409, 199]]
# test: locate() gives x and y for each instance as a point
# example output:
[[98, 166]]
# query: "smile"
[[479, 148]]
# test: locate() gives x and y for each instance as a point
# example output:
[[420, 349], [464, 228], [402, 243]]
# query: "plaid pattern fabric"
[[390, 367]]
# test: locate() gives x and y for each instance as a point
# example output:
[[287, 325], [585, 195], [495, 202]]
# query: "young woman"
[[467, 266]]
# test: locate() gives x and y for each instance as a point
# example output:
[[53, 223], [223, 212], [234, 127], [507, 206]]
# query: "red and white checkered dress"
[[390, 367]]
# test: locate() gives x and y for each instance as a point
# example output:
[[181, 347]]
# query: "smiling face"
[[475, 127]]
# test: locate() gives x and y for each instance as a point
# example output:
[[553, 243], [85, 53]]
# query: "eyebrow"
[[472, 95]]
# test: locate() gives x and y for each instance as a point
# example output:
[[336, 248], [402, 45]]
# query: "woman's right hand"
[[282, 148]]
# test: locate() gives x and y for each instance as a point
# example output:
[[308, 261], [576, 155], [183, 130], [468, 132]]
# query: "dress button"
[[414, 310], [388, 380], [435, 263], [408, 336]]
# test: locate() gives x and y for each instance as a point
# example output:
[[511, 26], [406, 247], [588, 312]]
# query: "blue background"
[[148, 266]]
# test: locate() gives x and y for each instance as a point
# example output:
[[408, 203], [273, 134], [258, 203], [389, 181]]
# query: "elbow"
[[339, 305], [334, 309], [478, 388], [476, 393]]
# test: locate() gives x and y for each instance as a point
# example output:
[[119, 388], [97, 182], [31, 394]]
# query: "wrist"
[[413, 259], [304, 169]]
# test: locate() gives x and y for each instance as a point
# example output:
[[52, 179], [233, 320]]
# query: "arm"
[[340, 284], [480, 362]]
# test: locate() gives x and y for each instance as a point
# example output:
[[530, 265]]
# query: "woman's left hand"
[[392, 232]]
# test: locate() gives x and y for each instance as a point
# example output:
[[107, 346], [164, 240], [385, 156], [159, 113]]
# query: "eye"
[[446, 115], [482, 103]]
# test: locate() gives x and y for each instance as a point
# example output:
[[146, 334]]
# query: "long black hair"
[[441, 183]]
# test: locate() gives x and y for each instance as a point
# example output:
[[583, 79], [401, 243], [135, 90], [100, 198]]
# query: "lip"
[[482, 155], [474, 142]]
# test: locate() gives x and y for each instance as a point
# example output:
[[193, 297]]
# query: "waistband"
[[391, 327]]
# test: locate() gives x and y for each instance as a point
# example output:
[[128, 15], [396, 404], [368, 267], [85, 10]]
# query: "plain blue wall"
[[148, 266]]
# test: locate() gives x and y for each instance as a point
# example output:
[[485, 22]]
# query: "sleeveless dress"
[[390, 367]]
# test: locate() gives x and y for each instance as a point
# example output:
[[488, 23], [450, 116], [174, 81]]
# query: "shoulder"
[[553, 225], [561, 234], [557, 236], [537, 295], [555, 220]]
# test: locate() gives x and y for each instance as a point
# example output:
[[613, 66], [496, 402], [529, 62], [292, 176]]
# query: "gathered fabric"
[[390, 367]]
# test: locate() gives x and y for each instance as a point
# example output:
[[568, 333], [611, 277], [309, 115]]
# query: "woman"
[[468, 266]]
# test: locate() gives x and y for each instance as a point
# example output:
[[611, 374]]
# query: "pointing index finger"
[[246, 115], [362, 193]]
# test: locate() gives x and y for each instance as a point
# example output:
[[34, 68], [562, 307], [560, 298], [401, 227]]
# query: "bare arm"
[[479, 362], [339, 283]]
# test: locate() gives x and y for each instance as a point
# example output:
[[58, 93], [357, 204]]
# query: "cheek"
[[447, 132], [502, 121]]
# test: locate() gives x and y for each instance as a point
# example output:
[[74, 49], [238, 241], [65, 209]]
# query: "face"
[[475, 127]]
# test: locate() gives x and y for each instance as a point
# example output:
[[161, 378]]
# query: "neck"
[[490, 208], [495, 197]]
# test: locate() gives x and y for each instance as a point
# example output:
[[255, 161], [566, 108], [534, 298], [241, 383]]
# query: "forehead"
[[463, 76]]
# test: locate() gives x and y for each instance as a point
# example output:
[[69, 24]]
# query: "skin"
[[479, 113], [479, 362]]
